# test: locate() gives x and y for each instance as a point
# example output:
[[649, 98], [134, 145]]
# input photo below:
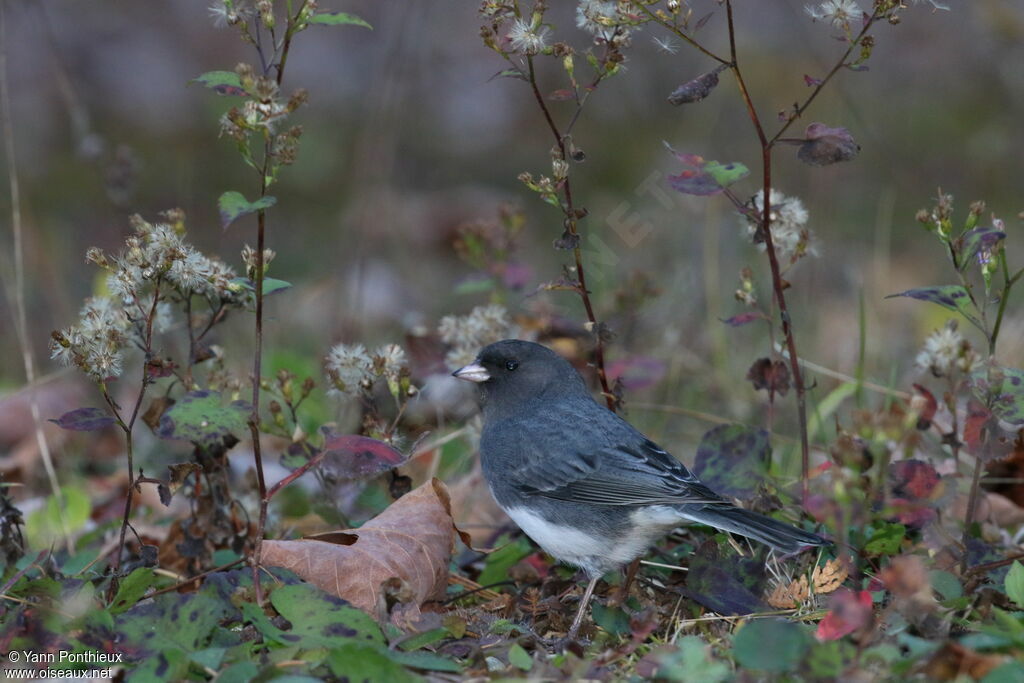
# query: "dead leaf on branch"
[[400, 556]]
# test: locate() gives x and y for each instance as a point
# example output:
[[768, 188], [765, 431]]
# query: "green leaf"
[[233, 205], [885, 539], [428, 661], [704, 178], [322, 620], [131, 589], [1003, 388], [614, 620], [690, 660], [1015, 583], [726, 174], [44, 526], [501, 560], [1010, 672], [338, 19], [203, 418], [356, 661], [953, 297], [519, 658], [270, 285], [172, 623], [242, 672], [945, 584], [770, 645], [222, 83], [973, 241], [434, 635], [731, 459]]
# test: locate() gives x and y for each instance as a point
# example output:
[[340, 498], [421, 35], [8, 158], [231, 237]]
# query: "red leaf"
[[810, 81], [563, 94], [824, 145], [850, 612], [349, 456], [638, 372], [925, 405], [913, 479], [773, 376]]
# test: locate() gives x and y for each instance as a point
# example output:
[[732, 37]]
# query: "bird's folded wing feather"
[[636, 472]]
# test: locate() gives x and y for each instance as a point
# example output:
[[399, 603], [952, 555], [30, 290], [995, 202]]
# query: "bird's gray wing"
[[634, 474]]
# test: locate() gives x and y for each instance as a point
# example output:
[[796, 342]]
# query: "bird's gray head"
[[511, 373]]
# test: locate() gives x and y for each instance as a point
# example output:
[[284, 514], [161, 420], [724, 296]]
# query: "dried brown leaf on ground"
[[789, 596], [474, 508], [400, 557], [828, 577]]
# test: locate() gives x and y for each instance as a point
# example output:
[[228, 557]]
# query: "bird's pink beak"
[[474, 372]]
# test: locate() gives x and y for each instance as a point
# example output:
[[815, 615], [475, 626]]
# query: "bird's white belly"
[[576, 547]]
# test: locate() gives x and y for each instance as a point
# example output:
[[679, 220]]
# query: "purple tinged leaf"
[[729, 585], [696, 89], [823, 145], [704, 178], [85, 420], [811, 81], [1003, 388], [637, 372], [350, 456], [741, 319], [203, 418], [976, 242], [702, 21], [953, 297], [731, 459], [222, 83]]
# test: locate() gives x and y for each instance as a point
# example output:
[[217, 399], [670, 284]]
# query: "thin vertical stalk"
[[571, 225], [778, 287], [21, 318]]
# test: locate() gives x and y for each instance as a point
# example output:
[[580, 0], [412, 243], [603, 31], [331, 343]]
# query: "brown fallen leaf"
[[789, 596], [401, 555], [828, 577], [953, 661]]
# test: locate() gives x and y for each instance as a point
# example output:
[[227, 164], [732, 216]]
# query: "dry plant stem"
[[18, 304], [570, 215], [129, 442], [257, 363], [972, 508], [777, 284]]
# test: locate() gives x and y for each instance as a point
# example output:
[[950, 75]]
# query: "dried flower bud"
[[559, 169], [97, 256]]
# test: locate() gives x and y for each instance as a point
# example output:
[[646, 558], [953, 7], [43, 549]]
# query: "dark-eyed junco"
[[585, 485]]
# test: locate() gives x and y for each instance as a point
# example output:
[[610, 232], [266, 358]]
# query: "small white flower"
[[392, 360], [839, 12], [946, 351], [466, 335], [527, 39], [349, 369], [790, 234]]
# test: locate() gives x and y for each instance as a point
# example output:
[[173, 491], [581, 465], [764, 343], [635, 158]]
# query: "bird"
[[585, 485]]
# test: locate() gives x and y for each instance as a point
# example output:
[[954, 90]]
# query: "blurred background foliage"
[[407, 137]]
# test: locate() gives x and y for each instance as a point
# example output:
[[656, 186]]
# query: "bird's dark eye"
[[511, 365]]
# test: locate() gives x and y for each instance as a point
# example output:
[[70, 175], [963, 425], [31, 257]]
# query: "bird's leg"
[[584, 602], [631, 571]]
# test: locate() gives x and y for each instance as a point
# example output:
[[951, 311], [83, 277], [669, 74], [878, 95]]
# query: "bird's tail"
[[778, 535]]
